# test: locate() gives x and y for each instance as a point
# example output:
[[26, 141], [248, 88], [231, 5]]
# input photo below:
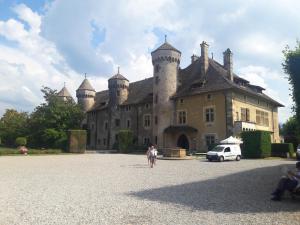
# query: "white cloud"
[[31, 63], [27, 15]]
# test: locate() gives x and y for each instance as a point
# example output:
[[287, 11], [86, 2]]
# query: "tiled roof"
[[191, 82], [64, 93], [118, 76], [166, 46], [85, 85]]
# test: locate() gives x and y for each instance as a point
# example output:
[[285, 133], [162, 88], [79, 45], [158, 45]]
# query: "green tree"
[[291, 67], [50, 121], [13, 124], [289, 127]]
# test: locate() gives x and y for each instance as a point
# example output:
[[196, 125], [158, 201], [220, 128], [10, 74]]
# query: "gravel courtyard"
[[122, 189]]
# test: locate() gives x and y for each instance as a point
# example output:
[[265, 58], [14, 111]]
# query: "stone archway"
[[183, 142]]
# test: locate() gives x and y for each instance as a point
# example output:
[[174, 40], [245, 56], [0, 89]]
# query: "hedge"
[[257, 144], [76, 141], [125, 141], [281, 149]]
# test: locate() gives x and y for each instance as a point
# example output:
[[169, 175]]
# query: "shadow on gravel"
[[244, 192]]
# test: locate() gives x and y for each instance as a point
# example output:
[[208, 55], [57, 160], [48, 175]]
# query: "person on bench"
[[289, 182]]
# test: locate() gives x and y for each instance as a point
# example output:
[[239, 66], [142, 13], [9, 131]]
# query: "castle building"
[[190, 108]]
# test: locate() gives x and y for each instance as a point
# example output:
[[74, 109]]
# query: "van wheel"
[[221, 159], [238, 158]]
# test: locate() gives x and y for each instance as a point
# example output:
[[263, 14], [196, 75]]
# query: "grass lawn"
[[31, 151]]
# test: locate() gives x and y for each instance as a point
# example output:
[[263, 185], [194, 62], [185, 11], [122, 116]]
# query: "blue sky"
[[49, 42]]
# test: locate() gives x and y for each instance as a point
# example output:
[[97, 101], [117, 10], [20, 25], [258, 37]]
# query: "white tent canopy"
[[231, 140]]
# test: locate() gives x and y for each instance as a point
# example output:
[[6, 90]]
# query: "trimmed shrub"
[[257, 144], [76, 141], [281, 149], [21, 141], [125, 141]]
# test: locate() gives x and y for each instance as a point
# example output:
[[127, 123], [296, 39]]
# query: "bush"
[[21, 141], [257, 144], [77, 141], [125, 141], [61, 143], [281, 149]]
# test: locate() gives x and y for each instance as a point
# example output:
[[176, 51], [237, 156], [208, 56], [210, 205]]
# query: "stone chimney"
[[204, 57], [227, 57], [194, 58]]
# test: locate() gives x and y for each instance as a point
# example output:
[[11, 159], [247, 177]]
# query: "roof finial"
[[84, 75], [118, 70], [212, 55], [64, 84], [165, 38]]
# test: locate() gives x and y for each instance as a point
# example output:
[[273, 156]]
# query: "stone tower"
[[86, 95], [165, 60], [118, 89]]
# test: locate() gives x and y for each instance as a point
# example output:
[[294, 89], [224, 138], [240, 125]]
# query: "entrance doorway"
[[183, 142]]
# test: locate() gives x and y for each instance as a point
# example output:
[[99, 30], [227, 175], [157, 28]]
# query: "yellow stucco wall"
[[242, 101], [195, 108]]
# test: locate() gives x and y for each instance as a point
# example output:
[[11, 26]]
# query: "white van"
[[225, 152]]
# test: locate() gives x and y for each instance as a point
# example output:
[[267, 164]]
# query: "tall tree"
[[50, 121], [13, 124], [291, 66], [289, 128]]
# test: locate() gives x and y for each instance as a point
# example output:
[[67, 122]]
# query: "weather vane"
[[165, 38], [85, 75]]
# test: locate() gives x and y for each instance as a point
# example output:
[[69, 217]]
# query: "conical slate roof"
[[166, 46], [64, 93], [118, 76], [85, 85]]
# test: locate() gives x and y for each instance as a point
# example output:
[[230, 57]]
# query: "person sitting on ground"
[[288, 182]]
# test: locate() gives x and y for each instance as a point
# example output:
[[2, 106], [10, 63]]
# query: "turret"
[[165, 60], [86, 95], [64, 94], [118, 89]]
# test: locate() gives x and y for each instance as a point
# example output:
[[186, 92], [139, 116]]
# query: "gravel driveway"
[[122, 189]]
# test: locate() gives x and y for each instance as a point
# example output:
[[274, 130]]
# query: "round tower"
[[86, 95], [165, 60], [118, 89]]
